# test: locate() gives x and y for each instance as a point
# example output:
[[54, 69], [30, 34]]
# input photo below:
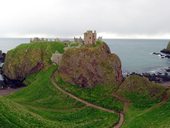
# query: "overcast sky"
[[68, 18]]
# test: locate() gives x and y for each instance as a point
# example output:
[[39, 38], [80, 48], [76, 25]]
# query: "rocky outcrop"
[[29, 58], [2, 57], [88, 66], [166, 50]]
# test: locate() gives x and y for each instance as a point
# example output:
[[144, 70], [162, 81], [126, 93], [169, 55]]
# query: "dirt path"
[[121, 120], [5, 92], [121, 115], [123, 100], [126, 105]]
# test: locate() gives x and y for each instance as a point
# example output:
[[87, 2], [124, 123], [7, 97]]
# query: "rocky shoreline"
[[162, 54], [160, 77], [165, 51], [156, 77], [8, 83]]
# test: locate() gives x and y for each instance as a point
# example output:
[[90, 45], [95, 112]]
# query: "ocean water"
[[135, 55], [9, 43]]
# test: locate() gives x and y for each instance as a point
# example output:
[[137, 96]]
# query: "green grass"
[[142, 101], [100, 95], [41, 105], [156, 117], [45, 49], [141, 92], [146, 109]]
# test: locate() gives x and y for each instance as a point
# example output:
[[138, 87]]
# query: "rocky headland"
[[167, 49], [89, 66], [89, 74], [165, 53], [27, 59], [83, 65]]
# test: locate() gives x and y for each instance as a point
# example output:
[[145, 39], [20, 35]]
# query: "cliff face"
[[166, 50], [168, 47], [29, 58], [88, 66]]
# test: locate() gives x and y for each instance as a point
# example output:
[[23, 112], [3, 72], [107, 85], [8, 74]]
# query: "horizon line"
[[103, 38]]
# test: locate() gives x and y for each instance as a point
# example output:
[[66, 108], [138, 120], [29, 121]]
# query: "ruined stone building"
[[78, 40], [56, 58], [90, 37], [36, 39]]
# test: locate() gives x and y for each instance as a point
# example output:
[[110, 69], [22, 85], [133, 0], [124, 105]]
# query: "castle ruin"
[[90, 37]]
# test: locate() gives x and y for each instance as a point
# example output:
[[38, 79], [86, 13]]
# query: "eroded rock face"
[[89, 66], [166, 50], [168, 47], [18, 66]]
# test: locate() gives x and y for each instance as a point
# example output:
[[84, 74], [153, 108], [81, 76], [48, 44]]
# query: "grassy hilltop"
[[42, 105], [26, 58]]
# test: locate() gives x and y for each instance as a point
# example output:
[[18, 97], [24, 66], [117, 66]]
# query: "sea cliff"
[[29, 58], [88, 66], [166, 50]]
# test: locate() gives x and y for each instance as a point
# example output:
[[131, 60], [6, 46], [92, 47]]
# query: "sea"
[[136, 55]]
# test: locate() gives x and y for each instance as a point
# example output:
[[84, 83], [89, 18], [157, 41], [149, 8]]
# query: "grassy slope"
[[146, 109], [100, 95], [141, 91], [156, 117], [41, 105]]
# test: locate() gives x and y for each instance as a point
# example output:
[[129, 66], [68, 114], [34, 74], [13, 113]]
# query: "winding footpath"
[[121, 115]]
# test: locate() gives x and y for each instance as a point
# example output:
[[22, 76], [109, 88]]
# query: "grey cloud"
[[72, 17]]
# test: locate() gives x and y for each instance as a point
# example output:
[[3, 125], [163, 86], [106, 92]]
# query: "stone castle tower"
[[90, 37]]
